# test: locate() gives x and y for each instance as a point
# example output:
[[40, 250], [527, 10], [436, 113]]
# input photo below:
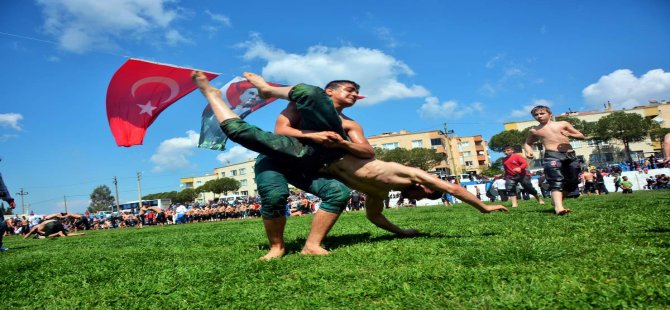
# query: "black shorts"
[[562, 170]]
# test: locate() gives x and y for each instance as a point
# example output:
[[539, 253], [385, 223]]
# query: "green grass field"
[[611, 252]]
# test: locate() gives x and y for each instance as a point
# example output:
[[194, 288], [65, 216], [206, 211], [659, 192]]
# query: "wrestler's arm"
[[288, 122], [458, 191], [359, 145], [571, 132], [532, 138], [52, 216], [373, 211], [32, 231]]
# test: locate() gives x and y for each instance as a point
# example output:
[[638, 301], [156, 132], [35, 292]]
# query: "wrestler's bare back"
[[371, 176]]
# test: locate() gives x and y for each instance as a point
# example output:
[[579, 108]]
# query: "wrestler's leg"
[[334, 197], [273, 189], [266, 90], [213, 95]]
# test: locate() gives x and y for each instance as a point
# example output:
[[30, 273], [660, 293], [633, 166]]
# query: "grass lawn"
[[611, 252]]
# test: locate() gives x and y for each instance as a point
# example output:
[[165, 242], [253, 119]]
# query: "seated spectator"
[[626, 186]]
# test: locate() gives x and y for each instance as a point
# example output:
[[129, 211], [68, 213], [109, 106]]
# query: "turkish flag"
[[242, 97], [139, 91]]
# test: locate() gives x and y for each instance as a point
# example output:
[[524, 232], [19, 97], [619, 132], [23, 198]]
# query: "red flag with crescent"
[[139, 91]]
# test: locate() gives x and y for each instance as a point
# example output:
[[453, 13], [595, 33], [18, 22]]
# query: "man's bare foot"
[[563, 212], [273, 253], [260, 84], [515, 206], [201, 80], [540, 201], [314, 250]]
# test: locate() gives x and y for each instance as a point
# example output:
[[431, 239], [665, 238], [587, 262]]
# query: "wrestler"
[[373, 177], [561, 165], [49, 229]]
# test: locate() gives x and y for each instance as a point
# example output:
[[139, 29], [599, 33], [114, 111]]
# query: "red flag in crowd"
[[139, 91]]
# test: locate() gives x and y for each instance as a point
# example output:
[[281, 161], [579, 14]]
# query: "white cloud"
[[173, 153], [6, 137], [173, 38], [80, 26], [387, 37], [11, 120], [220, 19], [624, 90], [432, 108], [493, 61], [236, 154], [525, 110], [377, 73]]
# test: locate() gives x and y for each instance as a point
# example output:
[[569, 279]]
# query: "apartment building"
[[242, 172], [462, 155]]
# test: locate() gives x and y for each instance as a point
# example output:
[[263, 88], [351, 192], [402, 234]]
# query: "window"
[[390, 146], [233, 173], [243, 171], [576, 144], [465, 144], [601, 158], [462, 160], [467, 153], [223, 173], [417, 143], [374, 146], [198, 182], [469, 164], [243, 182], [435, 142], [245, 193], [592, 142]]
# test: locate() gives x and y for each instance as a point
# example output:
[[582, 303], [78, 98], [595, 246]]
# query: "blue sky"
[[471, 64]]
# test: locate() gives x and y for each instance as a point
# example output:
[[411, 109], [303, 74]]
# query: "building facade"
[[242, 172], [462, 155], [597, 153]]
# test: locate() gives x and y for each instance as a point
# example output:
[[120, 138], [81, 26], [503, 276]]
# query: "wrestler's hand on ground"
[[492, 208]]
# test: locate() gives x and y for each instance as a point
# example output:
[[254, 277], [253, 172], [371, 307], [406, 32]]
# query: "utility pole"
[[139, 191], [116, 189], [451, 154], [22, 193], [65, 203]]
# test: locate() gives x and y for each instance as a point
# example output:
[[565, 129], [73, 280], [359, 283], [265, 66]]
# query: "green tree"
[[221, 186], [101, 199], [507, 137], [625, 127], [186, 195]]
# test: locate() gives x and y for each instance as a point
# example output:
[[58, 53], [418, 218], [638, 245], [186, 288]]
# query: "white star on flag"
[[147, 108]]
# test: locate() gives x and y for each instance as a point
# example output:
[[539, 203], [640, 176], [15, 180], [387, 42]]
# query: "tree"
[[626, 127], [101, 199], [221, 186], [496, 168], [512, 137], [186, 195]]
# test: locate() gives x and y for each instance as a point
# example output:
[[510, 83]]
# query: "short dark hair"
[[540, 107], [509, 147], [338, 83]]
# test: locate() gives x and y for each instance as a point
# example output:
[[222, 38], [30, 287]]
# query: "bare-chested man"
[[589, 182], [561, 165], [370, 176], [50, 229]]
